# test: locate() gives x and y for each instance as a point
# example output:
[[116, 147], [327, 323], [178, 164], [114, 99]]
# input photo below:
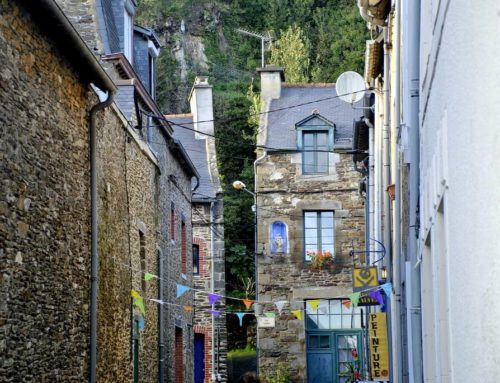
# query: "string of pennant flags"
[[352, 299]]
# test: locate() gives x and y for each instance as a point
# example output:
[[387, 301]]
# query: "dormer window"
[[128, 29], [315, 136]]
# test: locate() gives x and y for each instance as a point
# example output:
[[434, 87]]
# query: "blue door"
[[199, 358], [330, 355]]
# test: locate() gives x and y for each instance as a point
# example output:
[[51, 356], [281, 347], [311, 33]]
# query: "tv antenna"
[[265, 37]]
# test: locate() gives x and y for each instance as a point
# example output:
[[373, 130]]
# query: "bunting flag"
[[387, 287], [181, 289], [280, 305], [212, 298], [248, 303], [297, 313], [270, 314], [240, 317], [134, 294], [187, 308], [354, 298], [347, 304], [141, 323], [139, 302], [314, 304], [159, 301], [215, 313], [148, 276], [377, 296]]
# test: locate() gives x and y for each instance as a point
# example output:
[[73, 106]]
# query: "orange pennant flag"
[[248, 303], [187, 308], [347, 304]]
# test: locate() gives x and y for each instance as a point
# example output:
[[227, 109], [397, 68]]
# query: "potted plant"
[[352, 372], [320, 259]]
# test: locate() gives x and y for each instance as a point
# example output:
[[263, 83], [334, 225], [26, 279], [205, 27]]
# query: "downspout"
[[397, 259], [161, 314], [385, 183], [94, 262], [256, 238], [413, 82], [371, 188], [212, 285]]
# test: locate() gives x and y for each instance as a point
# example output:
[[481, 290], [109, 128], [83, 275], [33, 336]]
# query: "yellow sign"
[[364, 277], [379, 352]]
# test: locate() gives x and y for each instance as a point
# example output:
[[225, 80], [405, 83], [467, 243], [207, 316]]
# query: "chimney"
[[271, 78], [201, 103]]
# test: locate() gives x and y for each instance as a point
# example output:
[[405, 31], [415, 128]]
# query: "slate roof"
[[124, 98], [197, 151], [281, 133]]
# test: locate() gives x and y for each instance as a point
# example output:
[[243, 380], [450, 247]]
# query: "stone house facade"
[[143, 180], [307, 202], [210, 335]]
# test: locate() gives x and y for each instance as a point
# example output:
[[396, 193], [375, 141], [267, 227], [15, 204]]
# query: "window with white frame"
[[319, 233], [127, 34]]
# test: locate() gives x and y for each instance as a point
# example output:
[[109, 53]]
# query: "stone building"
[[307, 202], [210, 339], [139, 200]]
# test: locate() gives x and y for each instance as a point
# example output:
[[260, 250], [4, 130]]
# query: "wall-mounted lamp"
[[383, 273]]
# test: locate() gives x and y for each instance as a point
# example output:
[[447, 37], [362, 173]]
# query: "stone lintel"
[[321, 292]]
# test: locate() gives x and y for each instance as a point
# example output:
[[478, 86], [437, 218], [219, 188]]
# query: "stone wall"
[[284, 194], [174, 188], [44, 207], [127, 191], [204, 235]]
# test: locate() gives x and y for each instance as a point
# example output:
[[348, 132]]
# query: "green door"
[[330, 354]]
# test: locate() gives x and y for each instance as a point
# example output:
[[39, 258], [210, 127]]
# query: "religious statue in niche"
[[279, 238]]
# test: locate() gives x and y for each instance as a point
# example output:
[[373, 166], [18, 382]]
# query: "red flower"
[[354, 353]]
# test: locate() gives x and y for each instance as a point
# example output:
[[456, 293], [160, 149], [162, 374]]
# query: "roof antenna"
[[265, 37]]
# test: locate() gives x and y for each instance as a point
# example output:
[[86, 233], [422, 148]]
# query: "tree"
[[292, 53]]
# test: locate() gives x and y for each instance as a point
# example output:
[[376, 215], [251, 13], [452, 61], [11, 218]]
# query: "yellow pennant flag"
[[134, 294], [297, 313], [139, 302], [314, 304]]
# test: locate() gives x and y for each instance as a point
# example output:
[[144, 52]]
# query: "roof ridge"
[[309, 85]]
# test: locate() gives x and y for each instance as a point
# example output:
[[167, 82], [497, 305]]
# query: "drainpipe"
[[212, 285], [412, 78], [256, 237], [161, 321], [371, 189], [94, 262], [397, 259], [385, 196]]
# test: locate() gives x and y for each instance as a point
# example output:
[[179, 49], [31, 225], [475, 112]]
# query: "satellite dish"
[[350, 87]]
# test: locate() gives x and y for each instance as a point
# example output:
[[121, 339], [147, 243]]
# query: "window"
[[319, 232], [127, 34], [172, 222], [196, 260], [315, 151], [332, 314], [151, 64]]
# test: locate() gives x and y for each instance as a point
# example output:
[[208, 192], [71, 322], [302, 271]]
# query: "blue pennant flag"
[[387, 287], [240, 317], [181, 289]]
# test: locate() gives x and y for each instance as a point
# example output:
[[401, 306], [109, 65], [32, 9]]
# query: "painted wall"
[[460, 78]]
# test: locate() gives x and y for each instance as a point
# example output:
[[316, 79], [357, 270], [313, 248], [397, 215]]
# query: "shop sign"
[[379, 352], [363, 278], [266, 322]]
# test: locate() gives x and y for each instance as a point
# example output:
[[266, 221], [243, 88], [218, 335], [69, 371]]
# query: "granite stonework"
[[284, 192]]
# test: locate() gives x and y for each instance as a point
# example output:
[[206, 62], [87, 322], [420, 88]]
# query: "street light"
[[240, 186]]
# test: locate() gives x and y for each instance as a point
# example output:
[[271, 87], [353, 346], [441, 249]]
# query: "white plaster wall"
[[460, 144]]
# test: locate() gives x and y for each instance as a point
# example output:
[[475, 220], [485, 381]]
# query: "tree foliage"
[[291, 52]]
